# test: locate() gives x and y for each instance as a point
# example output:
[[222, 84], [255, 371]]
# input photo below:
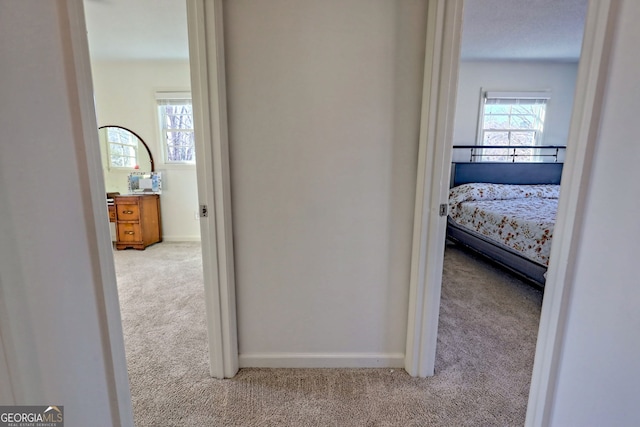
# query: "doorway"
[[140, 66], [429, 230], [501, 56]]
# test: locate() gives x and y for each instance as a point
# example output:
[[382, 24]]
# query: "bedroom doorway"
[[429, 228], [524, 81], [511, 94], [141, 72]]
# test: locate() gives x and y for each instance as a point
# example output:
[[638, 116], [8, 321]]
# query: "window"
[[513, 119], [122, 146], [175, 114]]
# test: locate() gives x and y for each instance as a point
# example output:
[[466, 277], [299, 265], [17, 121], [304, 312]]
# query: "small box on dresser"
[[138, 221]]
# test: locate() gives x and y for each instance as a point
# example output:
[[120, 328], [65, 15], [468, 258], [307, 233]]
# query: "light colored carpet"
[[486, 343]]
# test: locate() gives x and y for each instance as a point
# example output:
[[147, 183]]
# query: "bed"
[[506, 212]]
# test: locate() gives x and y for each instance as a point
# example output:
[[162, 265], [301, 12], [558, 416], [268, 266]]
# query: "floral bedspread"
[[520, 217]]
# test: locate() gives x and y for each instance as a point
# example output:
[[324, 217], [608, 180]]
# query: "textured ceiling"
[[492, 29], [523, 29], [137, 29]]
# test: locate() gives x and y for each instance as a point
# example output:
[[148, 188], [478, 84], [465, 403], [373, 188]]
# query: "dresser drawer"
[[112, 213], [129, 232], [127, 212]]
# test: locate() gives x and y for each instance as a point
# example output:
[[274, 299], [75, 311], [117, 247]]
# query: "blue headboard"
[[506, 173]]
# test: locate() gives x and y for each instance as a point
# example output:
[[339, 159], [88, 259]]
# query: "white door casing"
[[109, 305], [208, 87], [583, 131], [434, 155]]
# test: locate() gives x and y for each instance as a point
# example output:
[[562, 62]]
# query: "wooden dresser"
[[138, 222]]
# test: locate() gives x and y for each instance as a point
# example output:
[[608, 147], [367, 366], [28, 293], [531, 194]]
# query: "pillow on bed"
[[486, 191]]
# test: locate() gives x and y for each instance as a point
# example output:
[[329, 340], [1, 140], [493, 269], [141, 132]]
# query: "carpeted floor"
[[486, 343]]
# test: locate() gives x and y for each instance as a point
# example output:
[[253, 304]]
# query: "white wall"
[[475, 76], [125, 96], [54, 292], [598, 382], [49, 280], [324, 105]]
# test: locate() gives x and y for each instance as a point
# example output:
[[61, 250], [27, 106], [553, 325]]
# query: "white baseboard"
[[321, 360], [180, 238]]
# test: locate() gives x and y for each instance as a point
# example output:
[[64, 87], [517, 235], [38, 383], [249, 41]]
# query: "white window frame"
[[512, 97], [110, 153], [166, 98]]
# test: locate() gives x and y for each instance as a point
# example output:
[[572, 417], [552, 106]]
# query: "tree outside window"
[[512, 120], [176, 127], [122, 146]]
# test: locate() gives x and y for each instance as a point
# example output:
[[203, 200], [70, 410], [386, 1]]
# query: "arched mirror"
[[123, 152]]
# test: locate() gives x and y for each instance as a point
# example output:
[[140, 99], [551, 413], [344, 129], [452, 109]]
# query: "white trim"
[[585, 121], [208, 88], [81, 86], [173, 95], [322, 360], [444, 23], [491, 94]]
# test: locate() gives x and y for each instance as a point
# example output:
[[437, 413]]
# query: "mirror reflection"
[[122, 152]]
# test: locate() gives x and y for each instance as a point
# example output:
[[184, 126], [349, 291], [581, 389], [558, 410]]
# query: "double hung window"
[[175, 116], [513, 119]]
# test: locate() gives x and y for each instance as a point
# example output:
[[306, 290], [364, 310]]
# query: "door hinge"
[[443, 209], [204, 211]]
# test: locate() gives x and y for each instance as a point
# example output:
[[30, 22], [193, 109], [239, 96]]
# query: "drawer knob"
[[127, 212], [129, 232]]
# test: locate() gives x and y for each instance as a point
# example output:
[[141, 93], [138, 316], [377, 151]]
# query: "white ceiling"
[[492, 29], [523, 29], [137, 29]]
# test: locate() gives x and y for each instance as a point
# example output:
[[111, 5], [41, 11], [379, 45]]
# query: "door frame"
[[432, 188], [209, 98], [442, 53], [72, 21], [581, 144]]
